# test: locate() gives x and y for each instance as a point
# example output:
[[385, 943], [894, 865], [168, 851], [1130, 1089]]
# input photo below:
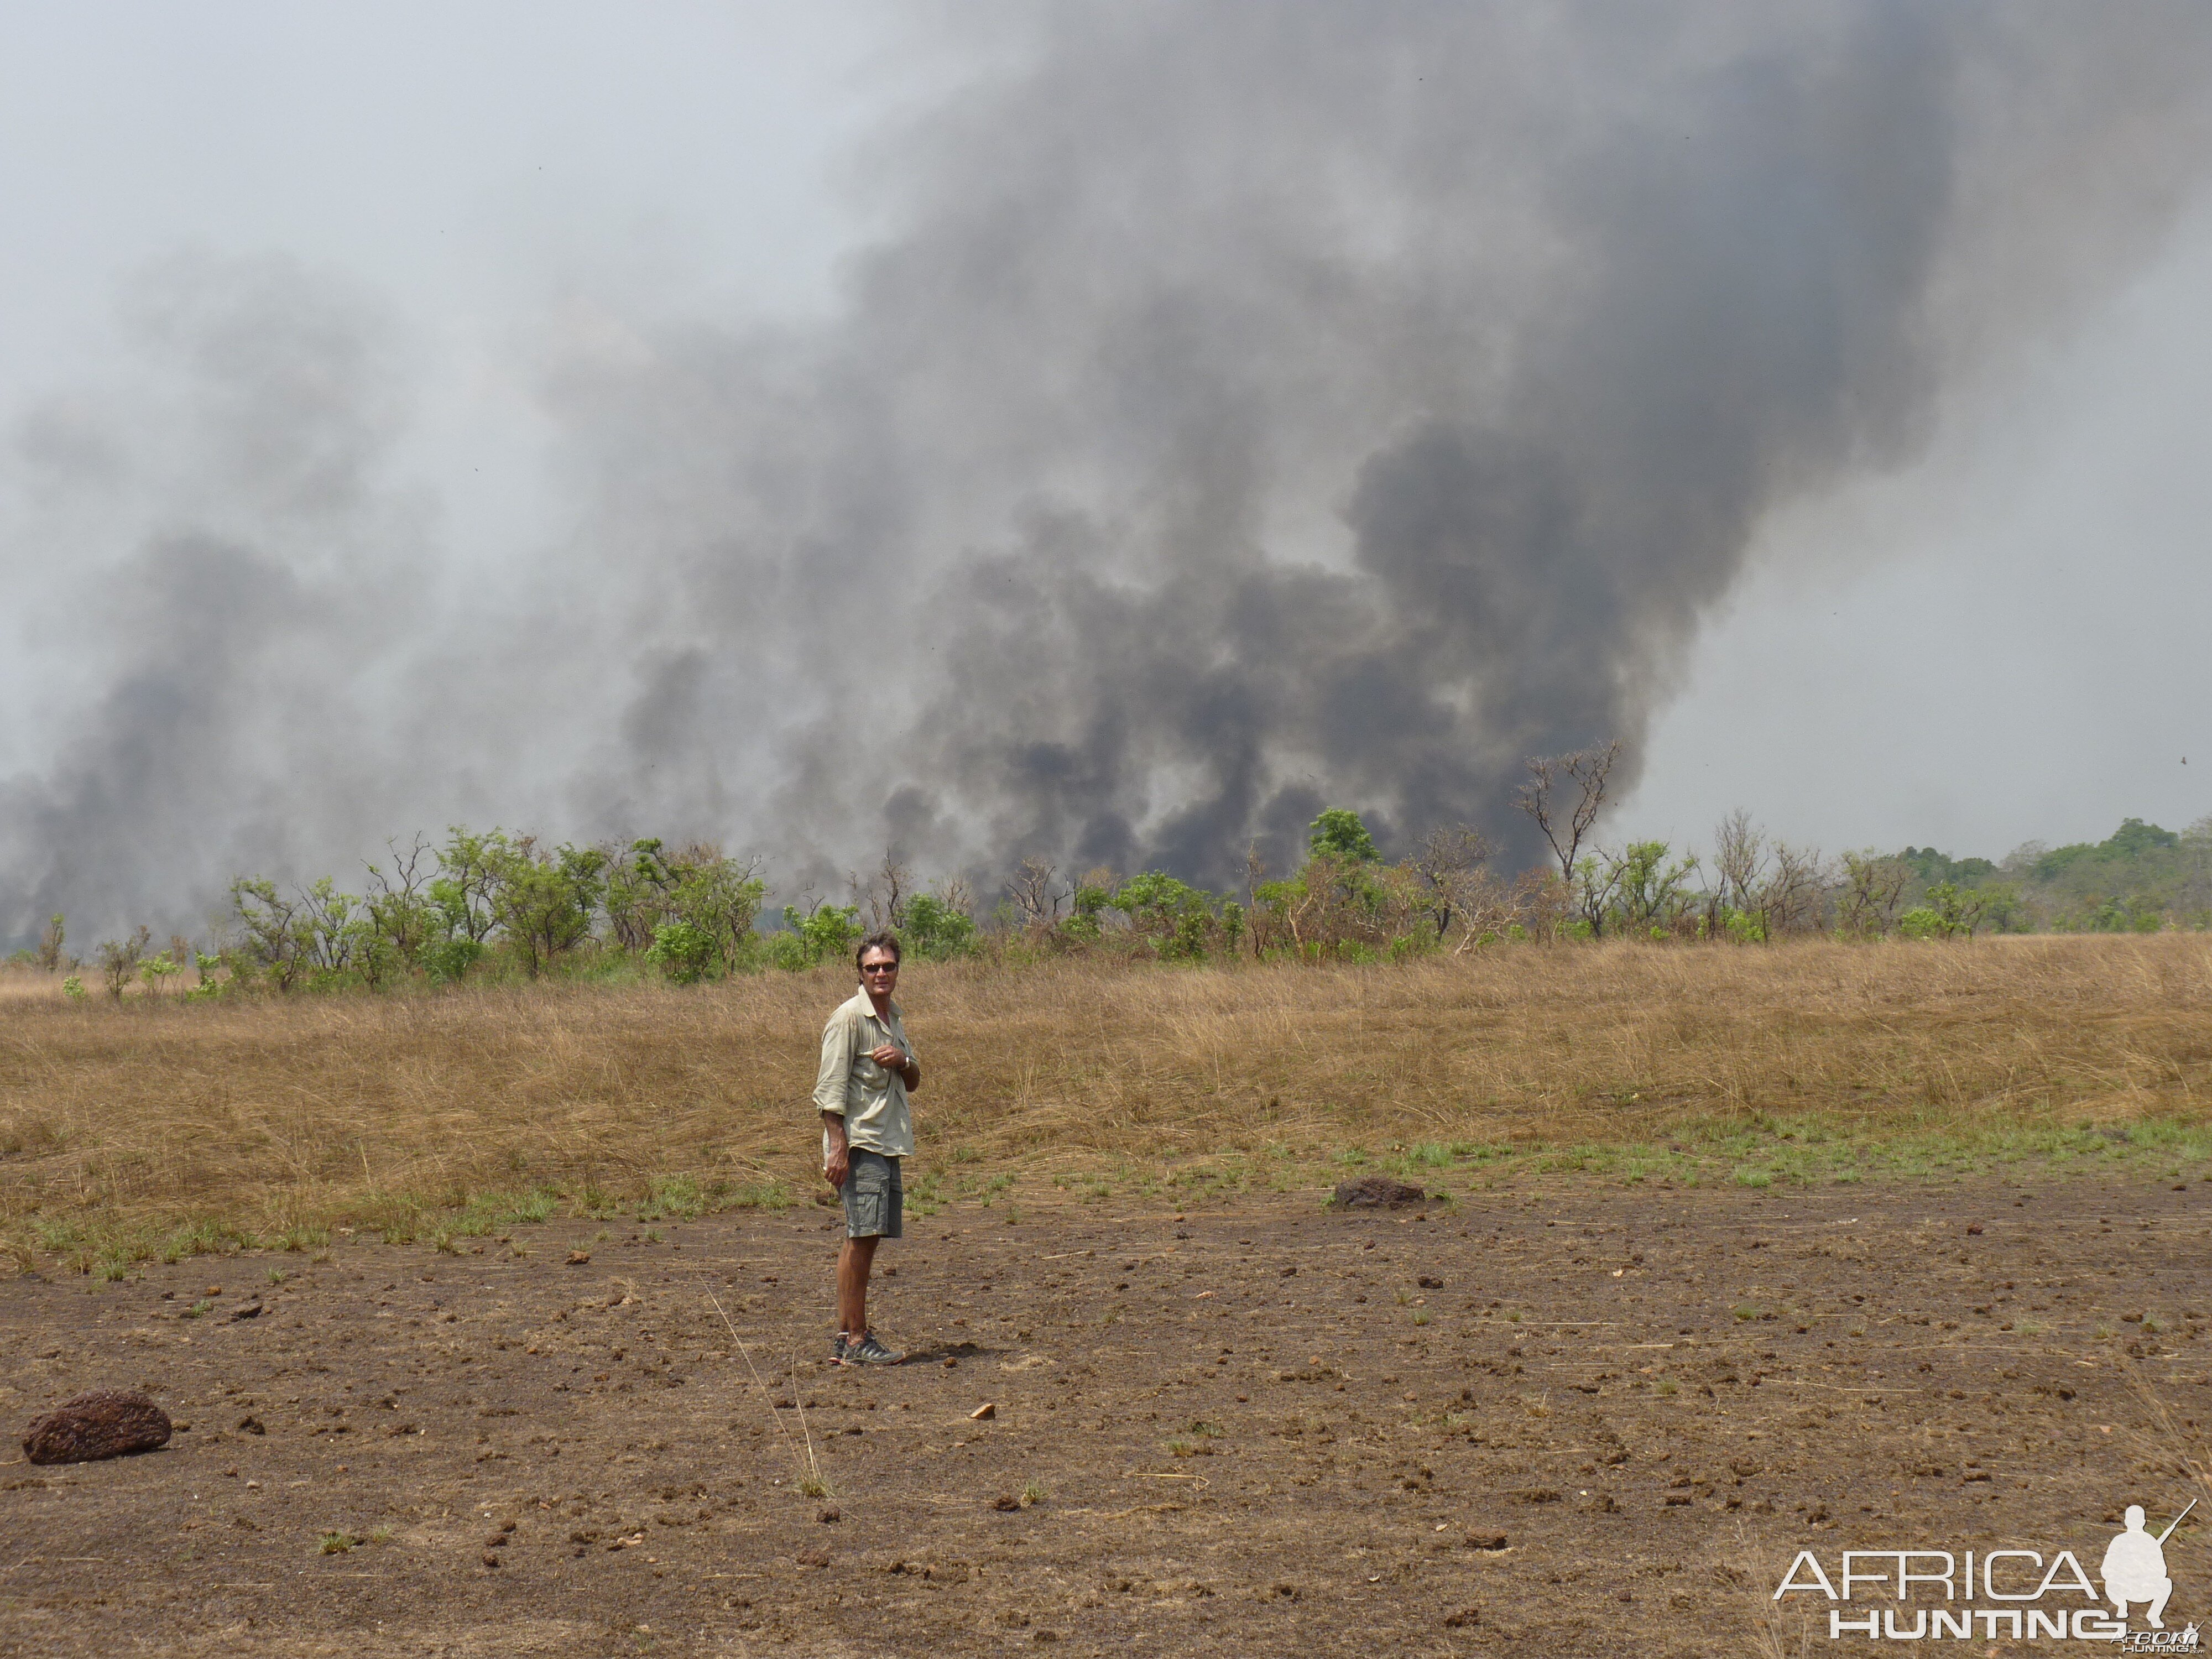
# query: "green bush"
[[447, 961], [681, 952], [935, 931], [824, 934]]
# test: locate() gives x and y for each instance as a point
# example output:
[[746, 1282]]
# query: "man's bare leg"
[[854, 1263]]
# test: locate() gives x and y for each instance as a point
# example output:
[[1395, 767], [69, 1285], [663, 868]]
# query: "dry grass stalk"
[[2170, 1445], [276, 1115], [1777, 1632], [806, 1473]]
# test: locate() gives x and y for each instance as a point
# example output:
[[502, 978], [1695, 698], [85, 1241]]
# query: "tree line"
[[499, 905]]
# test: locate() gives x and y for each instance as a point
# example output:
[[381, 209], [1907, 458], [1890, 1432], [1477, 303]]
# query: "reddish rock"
[[1375, 1193], [106, 1423]]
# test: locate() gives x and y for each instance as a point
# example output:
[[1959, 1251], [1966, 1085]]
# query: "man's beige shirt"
[[871, 1100]]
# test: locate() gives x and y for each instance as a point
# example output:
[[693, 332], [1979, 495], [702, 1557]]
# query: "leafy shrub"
[[684, 953], [824, 934], [119, 959], [545, 899], [448, 960], [935, 931]]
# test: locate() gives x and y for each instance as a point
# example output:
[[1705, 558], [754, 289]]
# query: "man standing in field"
[[867, 1071]]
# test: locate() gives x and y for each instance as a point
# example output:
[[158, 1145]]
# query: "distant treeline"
[[496, 905]]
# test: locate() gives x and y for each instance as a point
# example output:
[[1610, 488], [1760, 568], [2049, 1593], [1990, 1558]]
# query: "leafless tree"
[[885, 894], [1738, 862], [50, 939], [1542, 901], [1036, 893], [1871, 890], [1451, 865], [1791, 899], [1565, 825]]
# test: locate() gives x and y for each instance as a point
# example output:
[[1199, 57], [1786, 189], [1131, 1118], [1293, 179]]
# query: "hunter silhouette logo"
[[2023, 1595], [2135, 1567]]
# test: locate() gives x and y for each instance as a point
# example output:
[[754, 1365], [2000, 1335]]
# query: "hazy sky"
[[1997, 640]]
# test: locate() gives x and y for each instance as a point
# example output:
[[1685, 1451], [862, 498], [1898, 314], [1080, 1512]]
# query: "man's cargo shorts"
[[875, 1203]]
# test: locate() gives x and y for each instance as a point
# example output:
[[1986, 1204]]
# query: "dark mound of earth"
[[105, 1423], [1375, 1193]]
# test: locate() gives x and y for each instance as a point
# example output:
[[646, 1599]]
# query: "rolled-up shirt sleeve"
[[836, 1068]]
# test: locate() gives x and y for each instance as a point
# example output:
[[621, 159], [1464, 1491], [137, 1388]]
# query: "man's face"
[[880, 972]]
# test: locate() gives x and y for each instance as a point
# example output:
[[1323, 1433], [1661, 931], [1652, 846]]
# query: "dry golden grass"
[[267, 1116]]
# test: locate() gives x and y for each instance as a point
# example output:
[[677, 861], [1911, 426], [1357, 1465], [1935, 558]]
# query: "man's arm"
[[839, 1164], [829, 1081]]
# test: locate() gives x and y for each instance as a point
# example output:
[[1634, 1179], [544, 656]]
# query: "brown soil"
[[1258, 1430]]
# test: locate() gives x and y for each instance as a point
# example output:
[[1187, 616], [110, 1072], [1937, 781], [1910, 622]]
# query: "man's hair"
[[883, 941]]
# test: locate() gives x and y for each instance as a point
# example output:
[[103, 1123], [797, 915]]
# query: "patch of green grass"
[[751, 1196], [1032, 1495], [202, 1237], [336, 1543], [672, 1198]]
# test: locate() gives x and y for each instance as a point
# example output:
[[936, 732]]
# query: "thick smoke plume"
[[1254, 408]]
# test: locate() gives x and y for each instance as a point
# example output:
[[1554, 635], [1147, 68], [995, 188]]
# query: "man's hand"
[[892, 1058], [837, 1167]]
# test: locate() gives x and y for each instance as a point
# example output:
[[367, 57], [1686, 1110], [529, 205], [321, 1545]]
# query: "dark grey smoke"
[[1257, 407]]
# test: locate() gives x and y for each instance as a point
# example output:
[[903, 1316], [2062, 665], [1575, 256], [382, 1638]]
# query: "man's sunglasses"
[[880, 968]]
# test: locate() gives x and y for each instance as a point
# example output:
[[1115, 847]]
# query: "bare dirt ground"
[[1556, 1421]]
